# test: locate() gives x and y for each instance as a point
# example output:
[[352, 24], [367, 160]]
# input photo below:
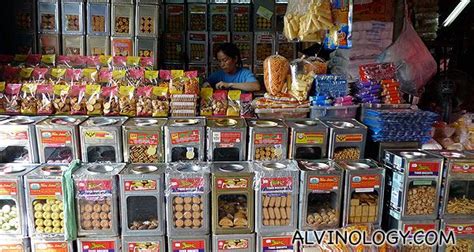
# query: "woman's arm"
[[244, 86]]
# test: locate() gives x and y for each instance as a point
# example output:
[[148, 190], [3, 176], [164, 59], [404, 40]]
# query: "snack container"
[[147, 23], [97, 194], [173, 48], [98, 45], [19, 139], [226, 139], [175, 18], [275, 242], [148, 1], [48, 44], [280, 11], [101, 139], [72, 12], [219, 17], [51, 245], [264, 46], [240, 17], [185, 139], [58, 139], [464, 231], [147, 47], [244, 41], [284, 47], [276, 207], [268, 139], [143, 243], [376, 150], [189, 184], [263, 15], [89, 244], [413, 184], [25, 43], [363, 192], [189, 243], [415, 226], [197, 47], [217, 39], [98, 18], [25, 16], [232, 197], [12, 199], [142, 200], [308, 139], [48, 16], [346, 139], [123, 20], [321, 193], [197, 17], [16, 245], [233, 242], [143, 140], [73, 45], [45, 202]]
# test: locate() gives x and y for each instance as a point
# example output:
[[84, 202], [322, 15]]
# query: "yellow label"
[[92, 89], [118, 74], [20, 57], [160, 91], [126, 91], [25, 73], [89, 73], [206, 93], [48, 59], [29, 88], [151, 74], [234, 95], [60, 89], [133, 60], [177, 73], [309, 138], [58, 72], [2, 86], [105, 60]]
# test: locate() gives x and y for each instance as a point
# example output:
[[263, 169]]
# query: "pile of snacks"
[[378, 84], [233, 212], [188, 212], [95, 215], [276, 210], [421, 200], [230, 103], [363, 208], [330, 90]]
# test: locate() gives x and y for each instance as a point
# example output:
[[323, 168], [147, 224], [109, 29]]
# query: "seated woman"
[[232, 75]]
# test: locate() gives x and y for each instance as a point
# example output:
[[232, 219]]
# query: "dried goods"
[[78, 100], [232, 211], [98, 23], [95, 214], [324, 217], [350, 153], [48, 216], [122, 24], [268, 153], [421, 200], [188, 211], [111, 103], [143, 225], [461, 245], [143, 154], [72, 23], [61, 101], [93, 100], [127, 101], [9, 220], [363, 208], [48, 22], [276, 69], [147, 25], [276, 210], [460, 206], [263, 23]]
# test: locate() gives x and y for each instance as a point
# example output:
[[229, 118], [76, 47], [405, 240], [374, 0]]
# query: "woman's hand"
[[223, 85]]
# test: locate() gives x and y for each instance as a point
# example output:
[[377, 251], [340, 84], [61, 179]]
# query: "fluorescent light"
[[459, 8]]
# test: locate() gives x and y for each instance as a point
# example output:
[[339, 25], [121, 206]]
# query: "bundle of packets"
[[377, 72], [323, 100], [399, 125], [330, 85], [390, 92], [368, 92]]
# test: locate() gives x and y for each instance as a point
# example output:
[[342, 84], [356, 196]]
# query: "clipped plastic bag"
[[308, 20]]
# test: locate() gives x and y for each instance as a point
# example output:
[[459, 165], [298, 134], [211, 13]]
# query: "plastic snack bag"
[[246, 109], [151, 76], [160, 101], [340, 35], [176, 85], [26, 73], [93, 99], [2, 97], [78, 99], [89, 75], [12, 99], [233, 108], [191, 86], [28, 99], [219, 103], [302, 77], [206, 101], [61, 100], [127, 101], [44, 96], [276, 70], [111, 100], [144, 101]]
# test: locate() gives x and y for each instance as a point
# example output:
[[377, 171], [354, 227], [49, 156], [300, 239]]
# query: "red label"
[[366, 182], [95, 185], [460, 229], [219, 38], [51, 247], [232, 183], [187, 184], [349, 138], [230, 137], [8, 188], [270, 138], [420, 168], [184, 137], [233, 244], [55, 138], [277, 243], [143, 139], [140, 185], [462, 168], [189, 245], [11, 247], [14, 135], [175, 9], [241, 10], [144, 247], [45, 188], [276, 184], [412, 228], [98, 246], [323, 183]]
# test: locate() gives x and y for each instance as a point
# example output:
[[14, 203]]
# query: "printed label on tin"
[[135, 138], [232, 244], [97, 135], [45, 188], [413, 228], [11, 248], [228, 139], [323, 183], [187, 184], [189, 246], [8, 188], [460, 229], [276, 184], [56, 138], [268, 138], [98, 246], [277, 244], [349, 138], [51, 247], [94, 186], [140, 185], [185, 137], [420, 168], [309, 138], [365, 183], [143, 247], [462, 167], [14, 135], [232, 183]]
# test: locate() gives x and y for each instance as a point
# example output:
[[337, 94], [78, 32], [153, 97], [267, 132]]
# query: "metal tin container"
[[240, 17], [93, 244], [308, 139], [232, 197], [173, 48], [263, 16], [276, 242], [219, 17], [147, 23], [147, 47], [45, 201], [233, 242], [197, 17], [25, 43], [198, 47], [264, 46], [98, 45], [97, 194], [185, 139], [144, 243], [464, 231], [276, 207], [143, 140], [58, 139], [268, 139], [19, 139], [346, 139], [142, 200], [73, 45], [226, 139], [48, 16], [189, 185], [38, 245], [284, 47], [49, 44], [122, 46], [123, 20], [101, 139], [321, 193], [12, 199], [244, 41], [363, 192], [72, 13], [189, 243], [413, 180], [16, 245], [217, 39], [25, 16], [175, 18], [411, 227], [98, 16]]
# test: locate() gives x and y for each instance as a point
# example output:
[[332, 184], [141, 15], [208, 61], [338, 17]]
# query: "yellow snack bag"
[[233, 106]]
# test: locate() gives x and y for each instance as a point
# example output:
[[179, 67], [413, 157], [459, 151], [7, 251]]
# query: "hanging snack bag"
[[276, 70], [144, 102], [44, 99], [246, 109], [93, 99], [160, 101], [89, 75], [127, 101], [136, 75], [191, 86], [78, 99], [28, 99], [176, 85], [119, 77], [61, 100], [64, 61], [39, 74], [206, 101], [111, 100], [73, 75], [340, 35], [105, 76], [151, 76], [133, 62], [12, 99], [233, 108], [48, 60], [219, 103], [26, 73]]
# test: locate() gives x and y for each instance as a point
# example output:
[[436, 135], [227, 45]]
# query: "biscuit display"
[[72, 23], [350, 153], [276, 209], [95, 214], [98, 23], [263, 23], [187, 211], [48, 216], [232, 211], [268, 153], [461, 245], [147, 25], [48, 22], [460, 206], [363, 208], [421, 200], [219, 22], [122, 24]]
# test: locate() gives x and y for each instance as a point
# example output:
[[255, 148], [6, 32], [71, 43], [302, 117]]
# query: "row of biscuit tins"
[[143, 142], [227, 139], [184, 139], [346, 139], [413, 226]]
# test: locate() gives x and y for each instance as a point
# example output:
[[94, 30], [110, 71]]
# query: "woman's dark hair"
[[232, 51]]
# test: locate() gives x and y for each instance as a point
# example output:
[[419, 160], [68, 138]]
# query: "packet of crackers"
[[61, 100], [340, 34], [44, 99], [111, 100], [12, 98], [176, 84], [144, 102], [233, 107], [48, 60], [276, 69], [11, 74], [206, 101], [191, 86], [93, 99], [160, 101], [28, 99], [127, 102], [105, 76], [219, 103], [136, 75], [78, 99]]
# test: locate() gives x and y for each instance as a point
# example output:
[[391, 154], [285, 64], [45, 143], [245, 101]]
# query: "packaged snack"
[[119, 77], [133, 62], [78, 99], [106, 61], [377, 72], [28, 99], [44, 99], [26, 73], [89, 75], [73, 75], [276, 73], [127, 101], [93, 62], [219, 103], [144, 102], [151, 76], [246, 109], [2, 97], [233, 108], [105, 76], [191, 86], [111, 100], [147, 63], [64, 61], [206, 101], [160, 101], [61, 100], [58, 74], [119, 62], [176, 85], [32, 60], [340, 34], [93, 99], [136, 76], [48, 60], [78, 61], [39, 73], [11, 74], [12, 99], [302, 77], [320, 66]]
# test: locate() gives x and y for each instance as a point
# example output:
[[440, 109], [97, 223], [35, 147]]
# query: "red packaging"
[[73, 75], [12, 99], [39, 73], [147, 62], [33, 60], [64, 61], [105, 76], [11, 74], [93, 62], [111, 100], [78, 100], [44, 99], [144, 103], [377, 72], [219, 103], [119, 62], [246, 109], [191, 86]]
